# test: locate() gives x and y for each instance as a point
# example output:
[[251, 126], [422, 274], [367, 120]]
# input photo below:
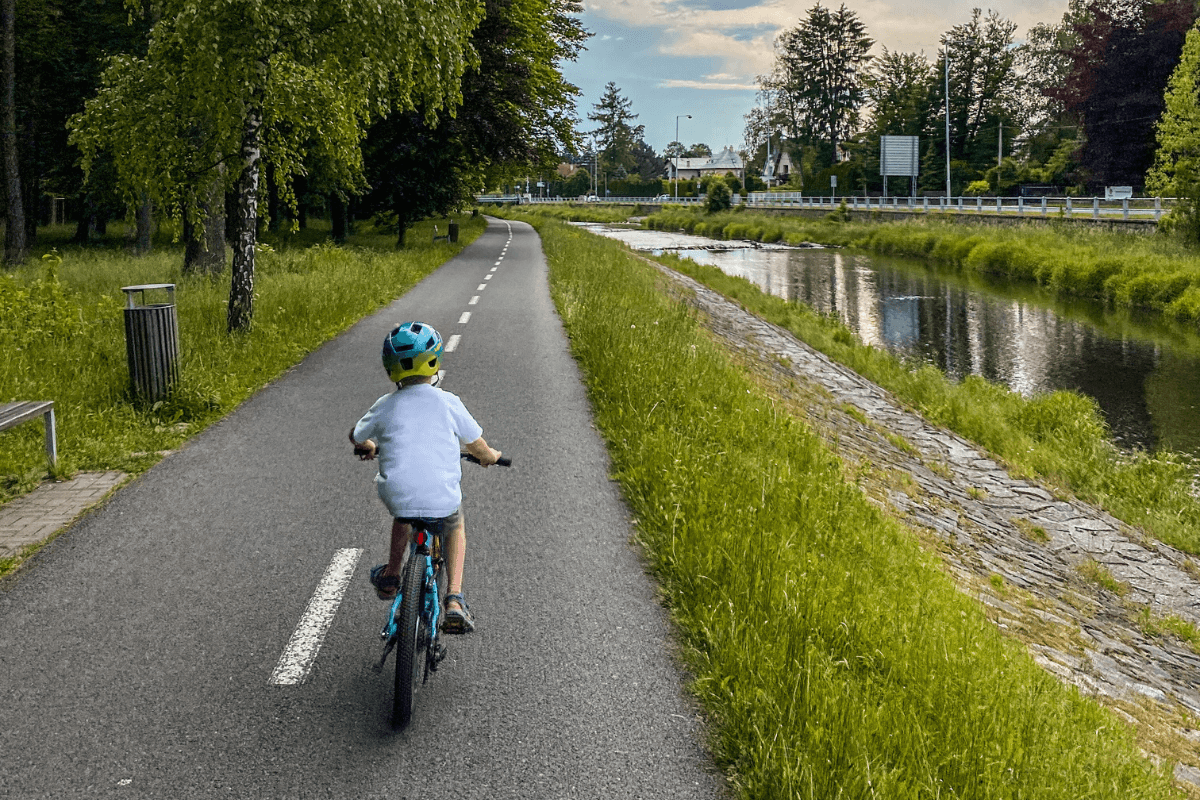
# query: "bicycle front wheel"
[[409, 666]]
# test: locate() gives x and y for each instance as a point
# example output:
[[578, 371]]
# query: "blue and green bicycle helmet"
[[412, 348]]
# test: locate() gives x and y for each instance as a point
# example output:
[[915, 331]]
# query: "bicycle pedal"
[[439, 653]]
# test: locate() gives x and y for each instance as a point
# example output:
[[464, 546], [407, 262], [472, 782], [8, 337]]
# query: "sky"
[[701, 57]]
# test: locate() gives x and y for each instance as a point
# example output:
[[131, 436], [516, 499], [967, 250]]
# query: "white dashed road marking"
[[466, 315], [481, 287], [301, 650], [473, 300], [487, 277], [452, 343]]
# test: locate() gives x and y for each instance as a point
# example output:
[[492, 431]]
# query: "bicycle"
[[412, 625]]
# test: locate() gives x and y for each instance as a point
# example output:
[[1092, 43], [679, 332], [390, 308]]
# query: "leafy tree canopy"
[[819, 76]]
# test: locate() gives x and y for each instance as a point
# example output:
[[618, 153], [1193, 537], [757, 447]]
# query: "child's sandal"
[[386, 586], [457, 620]]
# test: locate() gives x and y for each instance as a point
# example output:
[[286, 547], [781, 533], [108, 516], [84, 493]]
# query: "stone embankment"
[[1040, 563]]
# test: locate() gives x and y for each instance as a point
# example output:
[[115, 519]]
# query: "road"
[[137, 649]]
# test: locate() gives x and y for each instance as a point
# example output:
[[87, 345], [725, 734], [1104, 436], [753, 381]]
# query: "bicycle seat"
[[434, 525]]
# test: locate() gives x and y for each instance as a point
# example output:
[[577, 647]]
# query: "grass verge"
[[1059, 438], [62, 338], [835, 657], [1127, 270]]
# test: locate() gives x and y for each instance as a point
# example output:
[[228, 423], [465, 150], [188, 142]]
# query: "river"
[[1143, 373]]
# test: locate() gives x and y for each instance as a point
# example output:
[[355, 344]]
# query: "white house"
[[782, 168], [725, 161]]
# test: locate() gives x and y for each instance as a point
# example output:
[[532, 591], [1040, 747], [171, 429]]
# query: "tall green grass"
[[1057, 437], [62, 338], [1157, 272], [834, 656]]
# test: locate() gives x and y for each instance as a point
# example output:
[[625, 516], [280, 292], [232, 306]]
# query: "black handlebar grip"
[[504, 461]]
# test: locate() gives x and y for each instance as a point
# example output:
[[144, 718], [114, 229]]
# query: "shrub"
[[719, 197]]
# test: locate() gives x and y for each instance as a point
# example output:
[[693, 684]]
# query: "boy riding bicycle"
[[416, 431]]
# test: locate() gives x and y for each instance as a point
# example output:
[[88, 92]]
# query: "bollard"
[[151, 342], [453, 231]]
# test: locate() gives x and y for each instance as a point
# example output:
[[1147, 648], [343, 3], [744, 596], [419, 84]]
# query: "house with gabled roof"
[[727, 160]]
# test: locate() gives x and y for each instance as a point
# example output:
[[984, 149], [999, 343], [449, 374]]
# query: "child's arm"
[[364, 450], [480, 449]]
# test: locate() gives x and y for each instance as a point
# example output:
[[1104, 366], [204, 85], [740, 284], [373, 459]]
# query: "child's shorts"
[[437, 525]]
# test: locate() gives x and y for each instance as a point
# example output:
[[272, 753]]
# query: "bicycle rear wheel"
[[409, 665]]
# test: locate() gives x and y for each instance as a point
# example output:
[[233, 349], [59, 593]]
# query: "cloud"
[[742, 39], [684, 84], [743, 58]]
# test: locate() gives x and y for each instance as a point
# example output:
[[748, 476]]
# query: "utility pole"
[[947, 124], [675, 186]]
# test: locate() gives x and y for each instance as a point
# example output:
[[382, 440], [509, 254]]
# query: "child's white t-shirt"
[[417, 431]]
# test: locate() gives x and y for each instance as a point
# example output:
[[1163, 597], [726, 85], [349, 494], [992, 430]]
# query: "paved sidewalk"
[[36, 516]]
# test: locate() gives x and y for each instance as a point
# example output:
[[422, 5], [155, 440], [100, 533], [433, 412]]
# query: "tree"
[[14, 232], [900, 89], [1118, 105], [718, 196], [231, 83], [516, 115], [615, 134], [647, 164], [1176, 170], [820, 75], [415, 170], [984, 85]]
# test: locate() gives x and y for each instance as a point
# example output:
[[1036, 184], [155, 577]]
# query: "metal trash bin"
[[151, 342], [453, 231]]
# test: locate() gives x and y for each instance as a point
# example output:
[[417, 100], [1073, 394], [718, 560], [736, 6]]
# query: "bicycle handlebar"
[[504, 461]]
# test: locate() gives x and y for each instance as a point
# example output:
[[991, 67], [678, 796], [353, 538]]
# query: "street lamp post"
[[675, 175], [947, 125]]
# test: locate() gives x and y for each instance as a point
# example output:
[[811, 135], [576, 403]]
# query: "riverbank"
[[62, 336], [1134, 271], [834, 655], [1057, 438]]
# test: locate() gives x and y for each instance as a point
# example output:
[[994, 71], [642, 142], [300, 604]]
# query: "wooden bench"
[[13, 414]]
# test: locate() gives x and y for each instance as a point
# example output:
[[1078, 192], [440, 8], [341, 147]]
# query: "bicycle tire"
[[431, 657], [409, 665]]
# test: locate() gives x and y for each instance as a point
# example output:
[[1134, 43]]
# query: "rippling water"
[[1144, 375]]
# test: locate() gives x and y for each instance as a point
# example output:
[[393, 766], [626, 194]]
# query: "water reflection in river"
[[1147, 387]]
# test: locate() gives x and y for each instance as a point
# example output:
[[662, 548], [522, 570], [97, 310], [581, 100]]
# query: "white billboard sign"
[[899, 155]]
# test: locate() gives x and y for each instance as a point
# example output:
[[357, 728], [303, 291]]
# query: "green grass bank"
[[63, 339], [834, 657], [1156, 272], [1058, 438]]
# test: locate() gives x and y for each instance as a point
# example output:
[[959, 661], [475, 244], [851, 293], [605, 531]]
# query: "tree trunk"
[[145, 222], [337, 217], [241, 289], [85, 228], [14, 232], [31, 180], [403, 226], [205, 254]]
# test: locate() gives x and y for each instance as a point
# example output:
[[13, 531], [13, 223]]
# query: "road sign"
[[899, 155]]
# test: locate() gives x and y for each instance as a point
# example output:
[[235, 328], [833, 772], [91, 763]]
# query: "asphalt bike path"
[[210, 632]]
